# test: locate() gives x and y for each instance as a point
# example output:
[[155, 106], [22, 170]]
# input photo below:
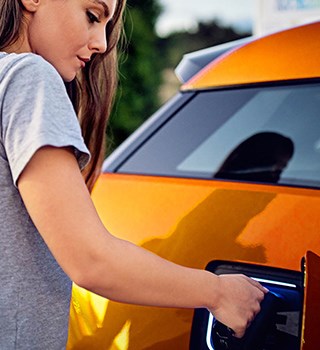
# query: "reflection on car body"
[[226, 177]]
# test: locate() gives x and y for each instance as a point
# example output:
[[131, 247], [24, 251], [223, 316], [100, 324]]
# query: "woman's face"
[[67, 32]]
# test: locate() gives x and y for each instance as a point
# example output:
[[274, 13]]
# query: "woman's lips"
[[83, 61]]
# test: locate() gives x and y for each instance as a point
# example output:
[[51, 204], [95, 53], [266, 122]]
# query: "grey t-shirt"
[[34, 291]]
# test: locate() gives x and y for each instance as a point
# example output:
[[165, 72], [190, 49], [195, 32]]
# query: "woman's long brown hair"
[[91, 93]]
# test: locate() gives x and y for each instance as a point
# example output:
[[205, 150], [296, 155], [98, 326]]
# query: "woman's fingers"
[[256, 284], [239, 302]]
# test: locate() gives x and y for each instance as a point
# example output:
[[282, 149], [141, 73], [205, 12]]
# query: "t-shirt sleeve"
[[37, 112]]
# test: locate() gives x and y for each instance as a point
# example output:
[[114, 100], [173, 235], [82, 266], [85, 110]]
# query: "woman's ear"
[[31, 5]]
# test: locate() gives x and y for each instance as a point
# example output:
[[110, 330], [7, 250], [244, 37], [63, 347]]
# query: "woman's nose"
[[98, 41]]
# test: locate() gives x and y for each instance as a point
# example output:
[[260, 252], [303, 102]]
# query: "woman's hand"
[[237, 302]]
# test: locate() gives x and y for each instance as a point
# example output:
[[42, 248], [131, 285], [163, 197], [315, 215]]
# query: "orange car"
[[224, 177]]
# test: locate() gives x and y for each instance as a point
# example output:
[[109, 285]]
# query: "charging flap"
[[310, 337]]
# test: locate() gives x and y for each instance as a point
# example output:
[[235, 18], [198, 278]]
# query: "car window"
[[268, 134]]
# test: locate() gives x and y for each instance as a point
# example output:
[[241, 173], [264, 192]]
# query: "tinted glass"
[[265, 134]]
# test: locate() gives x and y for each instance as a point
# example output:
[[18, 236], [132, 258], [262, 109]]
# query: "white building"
[[273, 15]]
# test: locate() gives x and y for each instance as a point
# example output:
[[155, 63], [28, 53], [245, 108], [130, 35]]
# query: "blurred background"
[[159, 32]]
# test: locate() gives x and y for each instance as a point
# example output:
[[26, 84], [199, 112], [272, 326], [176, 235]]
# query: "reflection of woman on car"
[[50, 232], [262, 157]]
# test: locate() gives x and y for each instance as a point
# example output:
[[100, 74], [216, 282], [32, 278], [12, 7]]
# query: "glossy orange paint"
[[143, 223], [279, 56], [261, 224]]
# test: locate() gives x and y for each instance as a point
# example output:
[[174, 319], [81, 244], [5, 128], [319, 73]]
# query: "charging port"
[[277, 326]]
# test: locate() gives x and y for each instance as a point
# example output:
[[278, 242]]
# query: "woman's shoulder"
[[28, 63]]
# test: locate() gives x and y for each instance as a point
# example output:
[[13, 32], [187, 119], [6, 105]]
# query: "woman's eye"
[[92, 18]]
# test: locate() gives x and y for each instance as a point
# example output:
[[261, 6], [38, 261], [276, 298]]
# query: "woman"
[[50, 233]]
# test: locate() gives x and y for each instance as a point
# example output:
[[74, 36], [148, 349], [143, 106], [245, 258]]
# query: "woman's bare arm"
[[60, 205]]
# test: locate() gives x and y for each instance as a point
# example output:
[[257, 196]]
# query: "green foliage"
[[207, 34], [144, 60], [140, 71]]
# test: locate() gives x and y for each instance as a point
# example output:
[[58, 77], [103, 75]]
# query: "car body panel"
[[280, 56], [144, 223], [232, 231]]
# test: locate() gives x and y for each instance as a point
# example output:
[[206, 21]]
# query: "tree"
[[147, 58], [207, 34], [140, 71]]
